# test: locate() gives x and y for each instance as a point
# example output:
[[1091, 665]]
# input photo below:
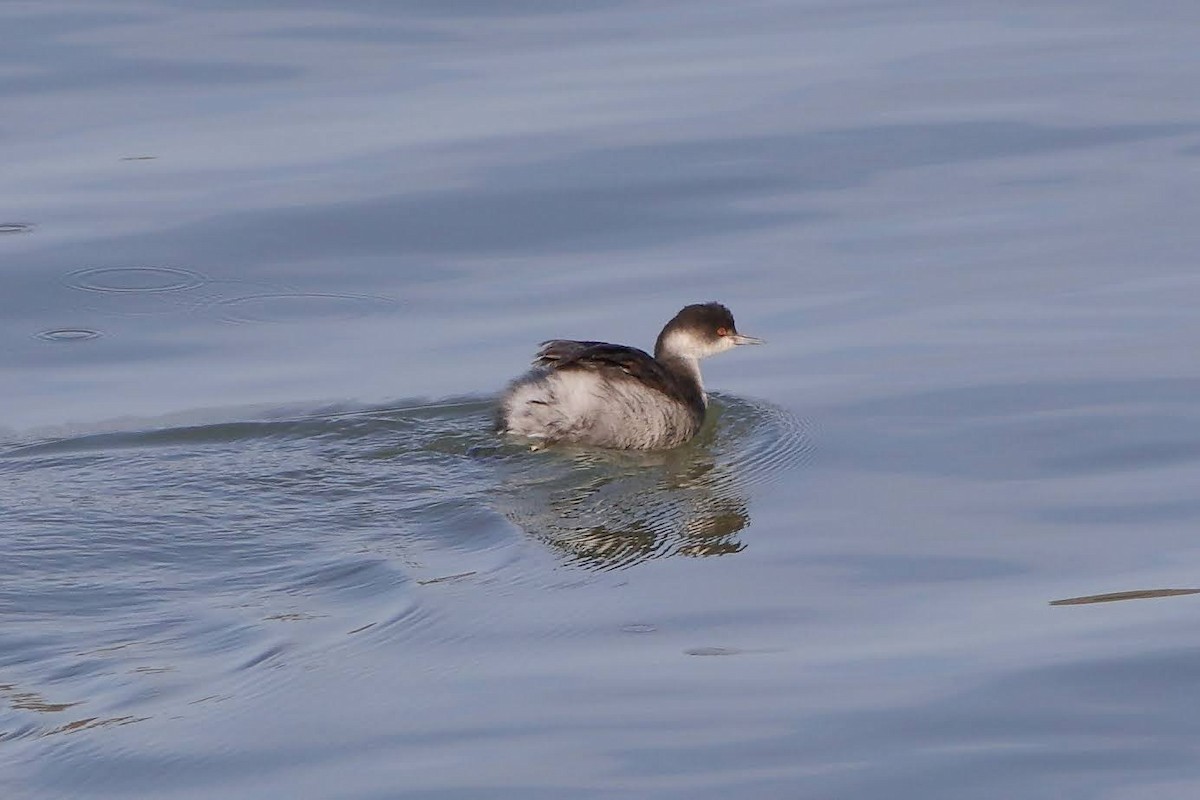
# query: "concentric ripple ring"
[[135, 279], [301, 306], [68, 335]]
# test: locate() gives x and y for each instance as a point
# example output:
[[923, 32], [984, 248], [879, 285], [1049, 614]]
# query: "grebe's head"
[[698, 331]]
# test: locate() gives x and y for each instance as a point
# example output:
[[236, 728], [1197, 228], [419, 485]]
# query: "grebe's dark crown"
[[707, 317]]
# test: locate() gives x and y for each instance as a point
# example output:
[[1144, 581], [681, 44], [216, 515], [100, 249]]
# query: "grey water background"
[[263, 266]]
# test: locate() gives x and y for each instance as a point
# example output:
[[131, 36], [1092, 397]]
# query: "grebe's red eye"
[[722, 331]]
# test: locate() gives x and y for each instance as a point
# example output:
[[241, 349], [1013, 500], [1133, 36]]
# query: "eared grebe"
[[610, 395]]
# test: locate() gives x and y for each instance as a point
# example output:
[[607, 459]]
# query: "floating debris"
[[1138, 594], [445, 578], [713, 651]]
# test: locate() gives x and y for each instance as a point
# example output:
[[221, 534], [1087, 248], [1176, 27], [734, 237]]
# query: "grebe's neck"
[[679, 350], [686, 370]]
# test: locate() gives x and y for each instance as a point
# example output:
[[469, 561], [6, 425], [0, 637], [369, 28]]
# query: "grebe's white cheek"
[[685, 344], [718, 345]]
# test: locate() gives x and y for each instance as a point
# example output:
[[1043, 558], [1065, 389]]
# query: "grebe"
[[610, 395]]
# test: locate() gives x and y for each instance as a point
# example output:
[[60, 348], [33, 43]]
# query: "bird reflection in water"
[[610, 509]]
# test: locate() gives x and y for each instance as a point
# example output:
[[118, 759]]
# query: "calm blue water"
[[263, 266]]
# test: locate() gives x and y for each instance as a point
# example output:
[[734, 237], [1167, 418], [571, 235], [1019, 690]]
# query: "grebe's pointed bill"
[[741, 338]]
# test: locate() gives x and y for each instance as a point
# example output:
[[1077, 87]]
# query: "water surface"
[[263, 267]]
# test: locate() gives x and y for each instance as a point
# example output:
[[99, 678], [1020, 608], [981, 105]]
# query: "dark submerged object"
[[611, 395]]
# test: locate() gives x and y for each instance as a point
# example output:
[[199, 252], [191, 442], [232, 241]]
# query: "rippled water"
[[263, 267], [200, 542]]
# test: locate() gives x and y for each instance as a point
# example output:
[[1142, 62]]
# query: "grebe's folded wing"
[[600, 357], [556, 352]]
